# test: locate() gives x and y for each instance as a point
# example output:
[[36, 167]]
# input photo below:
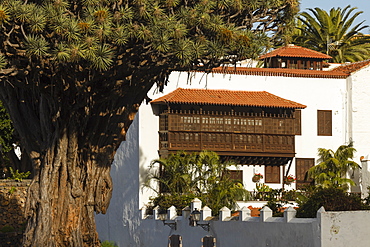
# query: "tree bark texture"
[[70, 135]]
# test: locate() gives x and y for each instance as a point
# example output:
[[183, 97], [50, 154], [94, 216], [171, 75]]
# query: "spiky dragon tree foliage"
[[73, 73]]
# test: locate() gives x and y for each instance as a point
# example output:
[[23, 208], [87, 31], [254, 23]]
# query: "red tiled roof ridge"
[[295, 51], [281, 72], [227, 97], [351, 67]]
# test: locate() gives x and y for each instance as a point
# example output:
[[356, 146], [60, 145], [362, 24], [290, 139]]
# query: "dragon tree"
[[73, 73]]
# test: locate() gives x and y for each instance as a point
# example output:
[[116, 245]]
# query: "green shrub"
[[333, 199], [179, 201], [12, 190], [18, 176], [107, 243], [7, 228]]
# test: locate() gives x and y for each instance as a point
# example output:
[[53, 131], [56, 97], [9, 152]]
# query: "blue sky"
[[362, 5]]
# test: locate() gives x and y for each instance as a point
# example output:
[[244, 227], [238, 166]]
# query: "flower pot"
[[255, 179]]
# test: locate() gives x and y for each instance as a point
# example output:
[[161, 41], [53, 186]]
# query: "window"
[[302, 165], [209, 241], [272, 174], [324, 123], [297, 122], [175, 241], [236, 175]]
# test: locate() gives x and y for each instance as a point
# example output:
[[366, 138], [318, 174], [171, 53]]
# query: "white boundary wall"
[[329, 229]]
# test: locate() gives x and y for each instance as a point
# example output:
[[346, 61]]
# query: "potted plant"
[[257, 177], [289, 179]]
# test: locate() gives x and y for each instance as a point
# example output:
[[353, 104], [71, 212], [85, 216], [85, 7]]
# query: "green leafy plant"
[[7, 228], [107, 243], [165, 201], [182, 176], [276, 206], [12, 190], [333, 167], [261, 187], [18, 176], [333, 199]]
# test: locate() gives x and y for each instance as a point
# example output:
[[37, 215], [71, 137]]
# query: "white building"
[[340, 96]]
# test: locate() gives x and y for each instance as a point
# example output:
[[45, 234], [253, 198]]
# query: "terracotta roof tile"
[[352, 67], [226, 97], [295, 51], [281, 72]]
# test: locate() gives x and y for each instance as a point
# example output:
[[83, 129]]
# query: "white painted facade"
[[347, 98]]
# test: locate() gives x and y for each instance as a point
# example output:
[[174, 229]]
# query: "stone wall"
[[12, 202]]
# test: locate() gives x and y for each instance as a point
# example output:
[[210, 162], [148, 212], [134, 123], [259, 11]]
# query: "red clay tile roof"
[[226, 97], [352, 67], [281, 72], [295, 51]]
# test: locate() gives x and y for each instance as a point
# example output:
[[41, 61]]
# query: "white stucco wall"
[[122, 224], [317, 94], [122, 220], [358, 121], [360, 111], [344, 229]]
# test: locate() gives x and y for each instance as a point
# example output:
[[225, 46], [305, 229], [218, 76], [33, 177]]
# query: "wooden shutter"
[[236, 175], [324, 123], [302, 165], [272, 174], [297, 122]]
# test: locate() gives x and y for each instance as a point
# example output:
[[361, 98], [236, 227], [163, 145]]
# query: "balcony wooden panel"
[[228, 133], [237, 142], [258, 123]]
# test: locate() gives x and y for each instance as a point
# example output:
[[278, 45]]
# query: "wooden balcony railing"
[[255, 143]]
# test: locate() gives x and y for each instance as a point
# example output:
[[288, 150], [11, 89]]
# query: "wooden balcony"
[[239, 134]]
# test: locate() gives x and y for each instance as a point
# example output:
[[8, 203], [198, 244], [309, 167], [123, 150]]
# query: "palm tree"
[[173, 175], [334, 166], [183, 176], [333, 33]]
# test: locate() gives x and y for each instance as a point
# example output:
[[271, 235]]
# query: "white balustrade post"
[[289, 214], [143, 212], [319, 212], [156, 213], [265, 213], [171, 213], [195, 204], [244, 214], [186, 212], [205, 213], [224, 213]]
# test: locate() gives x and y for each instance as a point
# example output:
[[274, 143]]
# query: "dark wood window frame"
[[298, 122], [236, 174], [324, 122], [272, 174], [301, 167]]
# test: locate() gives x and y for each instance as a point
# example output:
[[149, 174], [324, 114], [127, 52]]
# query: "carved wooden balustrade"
[[227, 132]]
